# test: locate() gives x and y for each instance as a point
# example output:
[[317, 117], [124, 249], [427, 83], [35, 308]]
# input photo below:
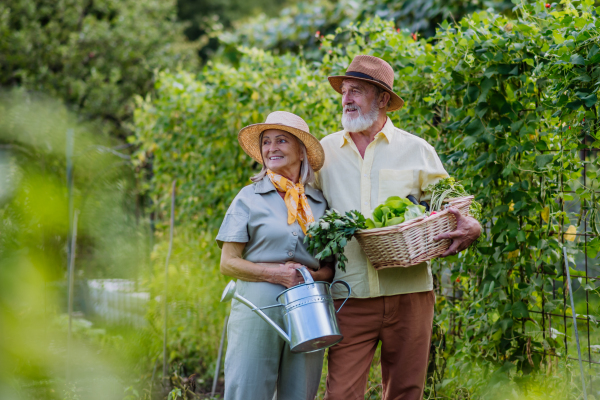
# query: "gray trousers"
[[259, 364]]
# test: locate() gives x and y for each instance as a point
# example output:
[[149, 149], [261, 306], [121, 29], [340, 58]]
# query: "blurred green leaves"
[[93, 55], [301, 27], [35, 224]]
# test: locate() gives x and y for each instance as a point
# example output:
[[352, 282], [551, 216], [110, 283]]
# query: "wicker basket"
[[411, 242]]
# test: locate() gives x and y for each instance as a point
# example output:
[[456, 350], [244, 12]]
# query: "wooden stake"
[[216, 378], [167, 279], [71, 286]]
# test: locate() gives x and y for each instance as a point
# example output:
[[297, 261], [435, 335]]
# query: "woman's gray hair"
[[307, 174]]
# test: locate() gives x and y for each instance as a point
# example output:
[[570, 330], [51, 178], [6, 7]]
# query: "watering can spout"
[[230, 293]]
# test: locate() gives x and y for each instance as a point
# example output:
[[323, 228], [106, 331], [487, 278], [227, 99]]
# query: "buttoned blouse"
[[258, 217]]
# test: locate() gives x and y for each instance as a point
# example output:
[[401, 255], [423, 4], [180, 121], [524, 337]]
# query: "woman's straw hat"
[[374, 71], [249, 137]]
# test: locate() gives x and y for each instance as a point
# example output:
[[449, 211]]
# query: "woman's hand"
[[324, 274], [287, 274], [234, 265]]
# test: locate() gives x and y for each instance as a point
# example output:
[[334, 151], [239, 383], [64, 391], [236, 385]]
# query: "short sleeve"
[[234, 227], [432, 171]]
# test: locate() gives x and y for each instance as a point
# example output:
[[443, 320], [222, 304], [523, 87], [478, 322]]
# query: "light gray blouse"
[[258, 217]]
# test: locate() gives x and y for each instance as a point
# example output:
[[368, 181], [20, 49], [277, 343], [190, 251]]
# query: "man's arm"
[[468, 229]]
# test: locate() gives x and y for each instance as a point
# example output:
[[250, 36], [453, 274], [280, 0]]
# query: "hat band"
[[365, 76]]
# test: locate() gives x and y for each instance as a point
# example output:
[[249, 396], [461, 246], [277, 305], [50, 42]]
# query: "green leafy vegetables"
[[394, 211], [329, 235], [448, 188]]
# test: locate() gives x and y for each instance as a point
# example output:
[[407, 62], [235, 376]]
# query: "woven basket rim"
[[413, 222], [411, 242]]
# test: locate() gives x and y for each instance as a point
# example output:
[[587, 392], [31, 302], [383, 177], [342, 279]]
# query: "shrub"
[[93, 55], [509, 104], [299, 27]]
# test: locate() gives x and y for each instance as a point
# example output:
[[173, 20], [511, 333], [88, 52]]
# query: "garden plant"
[[506, 92], [510, 104]]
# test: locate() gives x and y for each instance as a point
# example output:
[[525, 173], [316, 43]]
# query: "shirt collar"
[[265, 186], [387, 132]]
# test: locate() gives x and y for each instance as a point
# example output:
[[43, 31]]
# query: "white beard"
[[363, 121]]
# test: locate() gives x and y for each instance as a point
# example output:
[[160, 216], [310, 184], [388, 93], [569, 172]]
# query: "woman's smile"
[[281, 153]]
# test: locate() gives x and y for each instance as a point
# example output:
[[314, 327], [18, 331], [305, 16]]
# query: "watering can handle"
[[266, 307], [306, 275], [349, 292]]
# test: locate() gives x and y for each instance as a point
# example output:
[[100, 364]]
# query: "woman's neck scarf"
[[295, 200]]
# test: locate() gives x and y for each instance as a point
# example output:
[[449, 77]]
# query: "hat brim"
[[249, 140], [396, 101]]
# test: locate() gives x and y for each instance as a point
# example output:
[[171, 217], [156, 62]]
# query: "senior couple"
[[262, 239]]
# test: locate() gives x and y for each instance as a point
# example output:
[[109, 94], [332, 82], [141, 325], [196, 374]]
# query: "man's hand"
[[467, 231]]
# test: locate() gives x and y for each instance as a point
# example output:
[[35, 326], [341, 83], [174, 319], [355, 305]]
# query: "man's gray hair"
[[307, 174]]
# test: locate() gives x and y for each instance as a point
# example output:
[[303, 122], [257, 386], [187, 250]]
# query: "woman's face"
[[281, 152]]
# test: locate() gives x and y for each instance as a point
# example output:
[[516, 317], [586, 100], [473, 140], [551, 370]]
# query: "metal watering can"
[[309, 315]]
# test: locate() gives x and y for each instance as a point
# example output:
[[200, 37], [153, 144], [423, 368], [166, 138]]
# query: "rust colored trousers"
[[403, 324]]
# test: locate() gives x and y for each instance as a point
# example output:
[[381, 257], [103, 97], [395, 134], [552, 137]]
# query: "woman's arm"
[[232, 264]]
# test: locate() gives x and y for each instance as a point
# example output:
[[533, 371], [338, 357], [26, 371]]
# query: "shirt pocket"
[[394, 182]]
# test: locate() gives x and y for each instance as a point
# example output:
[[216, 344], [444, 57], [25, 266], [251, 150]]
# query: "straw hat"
[[373, 70], [249, 137]]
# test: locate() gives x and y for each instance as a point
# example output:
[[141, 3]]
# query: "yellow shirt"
[[396, 163]]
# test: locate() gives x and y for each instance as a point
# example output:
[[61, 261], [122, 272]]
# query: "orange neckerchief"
[[294, 196]]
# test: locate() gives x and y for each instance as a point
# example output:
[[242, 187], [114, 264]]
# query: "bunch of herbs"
[[329, 235], [449, 188]]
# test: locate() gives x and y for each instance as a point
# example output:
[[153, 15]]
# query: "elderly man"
[[366, 163]]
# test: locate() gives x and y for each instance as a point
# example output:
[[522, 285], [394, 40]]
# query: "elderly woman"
[[262, 239]]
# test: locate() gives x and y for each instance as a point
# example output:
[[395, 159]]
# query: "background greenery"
[[502, 99], [299, 27], [93, 55], [508, 98]]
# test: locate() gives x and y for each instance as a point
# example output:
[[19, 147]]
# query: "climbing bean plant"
[[509, 103]]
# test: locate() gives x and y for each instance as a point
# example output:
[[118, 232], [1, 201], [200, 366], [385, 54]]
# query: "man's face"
[[357, 98]]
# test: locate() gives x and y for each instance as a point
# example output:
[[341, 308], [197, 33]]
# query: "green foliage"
[[93, 55], [506, 99], [34, 213], [301, 27], [195, 315], [509, 104], [204, 18], [33, 195], [328, 236], [190, 131]]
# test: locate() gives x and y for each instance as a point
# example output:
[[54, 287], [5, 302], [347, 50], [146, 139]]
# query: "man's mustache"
[[352, 107]]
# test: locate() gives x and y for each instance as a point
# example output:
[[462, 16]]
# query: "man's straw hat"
[[249, 137], [374, 71]]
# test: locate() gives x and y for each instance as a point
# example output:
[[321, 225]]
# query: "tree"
[[94, 55], [298, 28], [205, 17]]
